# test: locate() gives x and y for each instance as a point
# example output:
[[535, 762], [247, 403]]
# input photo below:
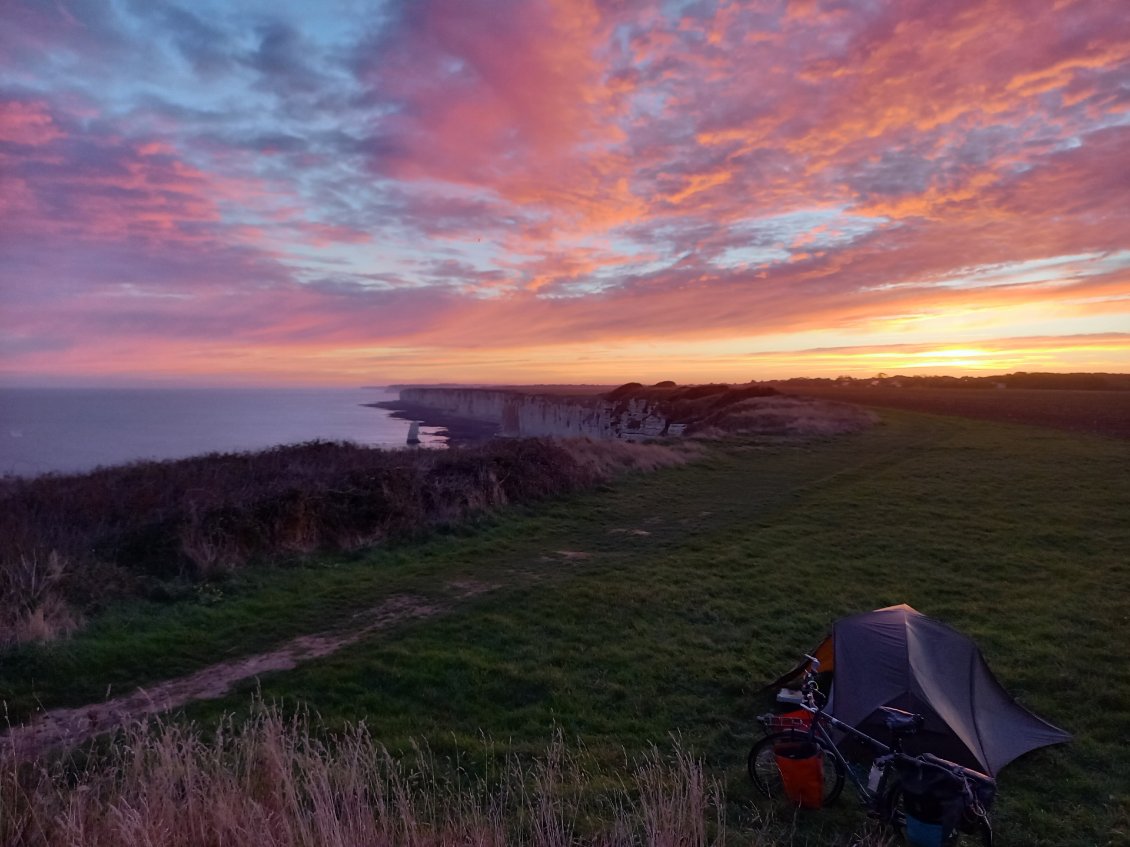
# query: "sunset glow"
[[561, 190]]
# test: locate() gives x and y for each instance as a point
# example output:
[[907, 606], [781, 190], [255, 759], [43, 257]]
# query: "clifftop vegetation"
[[720, 409], [70, 544]]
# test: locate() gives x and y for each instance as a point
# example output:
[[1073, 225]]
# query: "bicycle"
[[895, 780]]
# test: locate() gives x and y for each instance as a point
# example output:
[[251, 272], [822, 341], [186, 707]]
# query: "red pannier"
[[801, 764]]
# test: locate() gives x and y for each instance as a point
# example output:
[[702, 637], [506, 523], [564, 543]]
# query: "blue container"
[[923, 834]]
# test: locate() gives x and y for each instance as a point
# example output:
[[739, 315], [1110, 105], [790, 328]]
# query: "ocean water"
[[45, 430]]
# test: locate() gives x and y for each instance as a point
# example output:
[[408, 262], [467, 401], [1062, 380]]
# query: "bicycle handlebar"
[[809, 687]]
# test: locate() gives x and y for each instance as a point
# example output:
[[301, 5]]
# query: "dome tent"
[[899, 657]]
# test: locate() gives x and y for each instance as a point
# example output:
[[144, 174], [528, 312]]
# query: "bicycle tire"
[[766, 777]]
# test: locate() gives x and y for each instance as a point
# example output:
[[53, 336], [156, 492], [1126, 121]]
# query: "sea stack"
[[414, 432]]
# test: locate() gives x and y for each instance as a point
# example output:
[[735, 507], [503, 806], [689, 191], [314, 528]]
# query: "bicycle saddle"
[[899, 721]]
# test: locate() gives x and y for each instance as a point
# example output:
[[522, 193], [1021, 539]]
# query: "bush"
[[33, 607], [627, 389], [76, 542]]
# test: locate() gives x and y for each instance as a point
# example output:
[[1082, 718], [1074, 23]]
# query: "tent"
[[899, 657]]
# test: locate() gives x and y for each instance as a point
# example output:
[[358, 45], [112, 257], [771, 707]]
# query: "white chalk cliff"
[[527, 415]]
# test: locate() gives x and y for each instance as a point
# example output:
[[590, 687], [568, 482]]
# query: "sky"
[[560, 191]]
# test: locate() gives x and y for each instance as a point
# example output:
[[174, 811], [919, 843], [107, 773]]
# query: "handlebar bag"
[[801, 764]]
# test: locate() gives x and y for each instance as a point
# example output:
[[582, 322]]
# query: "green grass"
[[1018, 536]]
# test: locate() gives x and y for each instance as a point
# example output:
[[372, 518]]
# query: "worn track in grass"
[[69, 727]]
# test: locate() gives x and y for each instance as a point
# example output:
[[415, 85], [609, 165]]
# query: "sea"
[[65, 430]]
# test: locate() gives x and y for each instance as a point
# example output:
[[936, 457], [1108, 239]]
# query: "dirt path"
[[59, 727]]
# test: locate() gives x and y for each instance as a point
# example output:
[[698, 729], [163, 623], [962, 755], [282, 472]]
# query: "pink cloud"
[[519, 176], [27, 123], [97, 190], [506, 96]]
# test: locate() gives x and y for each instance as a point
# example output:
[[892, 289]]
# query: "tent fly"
[[899, 657]]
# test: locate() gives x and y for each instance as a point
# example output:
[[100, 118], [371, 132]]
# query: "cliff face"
[[634, 412], [519, 414]]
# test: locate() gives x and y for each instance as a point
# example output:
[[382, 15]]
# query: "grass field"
[[1091, 412], [657, 606]]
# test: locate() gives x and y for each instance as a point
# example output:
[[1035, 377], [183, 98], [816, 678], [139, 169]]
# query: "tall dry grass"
[[604, 459], [32, 608], [71, 543], [783, 415], [276, 781], [752, 409]]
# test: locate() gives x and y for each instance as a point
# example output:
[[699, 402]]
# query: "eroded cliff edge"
[[635, 412]]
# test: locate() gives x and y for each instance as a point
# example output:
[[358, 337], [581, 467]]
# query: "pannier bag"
[[801, 764], [937, 803]]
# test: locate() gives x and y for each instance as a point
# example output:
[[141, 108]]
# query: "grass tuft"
[[33, 608]]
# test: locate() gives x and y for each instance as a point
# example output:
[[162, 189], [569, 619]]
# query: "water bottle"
[[874, 776]]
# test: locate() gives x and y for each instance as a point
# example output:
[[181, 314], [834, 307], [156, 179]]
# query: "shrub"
[[625, 390], [33, 608], [782, 415], [134, 528]]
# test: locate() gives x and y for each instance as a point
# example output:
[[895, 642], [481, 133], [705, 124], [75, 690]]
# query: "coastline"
[[458, 430]]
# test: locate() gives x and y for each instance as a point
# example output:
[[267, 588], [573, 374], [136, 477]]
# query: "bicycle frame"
[[872, 795], [819, 730], [881, 791]]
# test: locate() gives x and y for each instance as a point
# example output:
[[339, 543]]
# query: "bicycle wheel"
[[766, 776]]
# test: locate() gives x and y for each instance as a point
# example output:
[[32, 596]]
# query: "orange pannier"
[[801, 764]]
